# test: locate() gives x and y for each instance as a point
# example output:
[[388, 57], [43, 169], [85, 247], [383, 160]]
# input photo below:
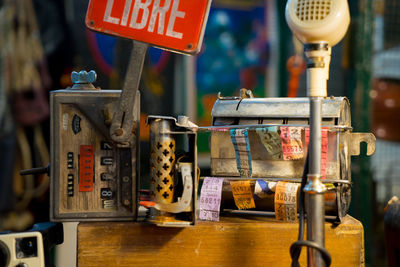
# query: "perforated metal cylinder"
[[162, 161]]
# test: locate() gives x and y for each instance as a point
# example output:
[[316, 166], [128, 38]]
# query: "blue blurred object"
[[106, 44], [235, 51]]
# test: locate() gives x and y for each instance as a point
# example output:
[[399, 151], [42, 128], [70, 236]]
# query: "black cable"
[[307, 243], [295, 248], [296, 253]]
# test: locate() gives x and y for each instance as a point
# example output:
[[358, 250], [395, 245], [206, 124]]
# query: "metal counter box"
[[92, 178]]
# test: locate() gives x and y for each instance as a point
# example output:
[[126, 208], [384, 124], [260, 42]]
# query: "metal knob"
[[83, 77]]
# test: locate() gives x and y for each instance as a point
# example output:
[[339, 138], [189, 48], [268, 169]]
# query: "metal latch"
[[357, 138], [244, 93]]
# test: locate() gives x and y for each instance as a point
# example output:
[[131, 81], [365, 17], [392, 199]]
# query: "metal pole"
[[315, 189]]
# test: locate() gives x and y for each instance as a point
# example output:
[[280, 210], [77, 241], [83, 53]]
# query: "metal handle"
[[123, 119]]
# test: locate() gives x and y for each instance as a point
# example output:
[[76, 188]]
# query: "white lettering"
[[175, 13], [127, 9], [107, 14], [158, 11], [141, 16], [145, 7]]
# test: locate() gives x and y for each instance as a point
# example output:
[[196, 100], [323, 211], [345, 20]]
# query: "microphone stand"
[[318, 59]]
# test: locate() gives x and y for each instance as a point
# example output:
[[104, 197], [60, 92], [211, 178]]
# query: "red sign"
[[86, 165], [170, 24]]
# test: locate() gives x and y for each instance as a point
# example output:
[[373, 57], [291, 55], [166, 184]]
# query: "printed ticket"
[[292, 147], [240, 141], [286, 201], [271, 140], [210, 199], [242, 194]]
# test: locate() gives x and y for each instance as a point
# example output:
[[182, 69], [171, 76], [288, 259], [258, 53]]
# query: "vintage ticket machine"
[[94, 132]]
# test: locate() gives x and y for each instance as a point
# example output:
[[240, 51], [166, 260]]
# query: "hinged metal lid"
[[282, 107]]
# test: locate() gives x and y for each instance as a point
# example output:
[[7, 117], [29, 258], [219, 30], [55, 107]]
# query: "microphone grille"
[[313, 10]]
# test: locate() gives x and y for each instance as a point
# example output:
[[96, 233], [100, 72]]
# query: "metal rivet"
[[119, 132]]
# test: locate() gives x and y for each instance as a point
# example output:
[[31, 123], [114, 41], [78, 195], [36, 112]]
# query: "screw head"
[[83, 77]]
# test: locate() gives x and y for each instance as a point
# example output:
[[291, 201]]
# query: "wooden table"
[[234, 241]]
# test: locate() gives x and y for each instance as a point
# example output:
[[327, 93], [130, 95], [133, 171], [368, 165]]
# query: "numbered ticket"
[[292, 147], [271, 140], [210, 199], [286, 201], [242, 194], [240, 141]]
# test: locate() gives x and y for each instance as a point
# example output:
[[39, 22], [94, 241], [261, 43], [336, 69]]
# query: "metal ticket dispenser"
[[278, 134], [173, 173]]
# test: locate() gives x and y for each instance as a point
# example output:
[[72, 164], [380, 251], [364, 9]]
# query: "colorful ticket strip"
[[86, 168], [263, 188], [286, 201], [292, 146], [240, 141], [242, 194], [324, 148], [210, 199], [271, 140]]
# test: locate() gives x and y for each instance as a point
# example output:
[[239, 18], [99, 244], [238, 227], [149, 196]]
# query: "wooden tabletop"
[[234, 241]]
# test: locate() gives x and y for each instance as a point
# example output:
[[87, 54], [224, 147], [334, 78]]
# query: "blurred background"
[[247, 44]]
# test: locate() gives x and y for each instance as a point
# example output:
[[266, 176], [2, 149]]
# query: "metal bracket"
[[183, 121], [122, 122], [186, 199], [357, 138]]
